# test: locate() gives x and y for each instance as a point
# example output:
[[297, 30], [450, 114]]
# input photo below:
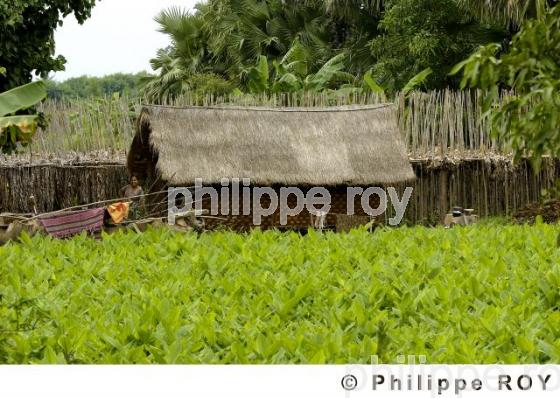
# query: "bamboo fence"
[[457, 161], [85, 126], [491, 187], [433, 124]]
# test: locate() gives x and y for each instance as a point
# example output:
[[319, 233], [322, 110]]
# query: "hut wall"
[[300, 221], [492, 188]]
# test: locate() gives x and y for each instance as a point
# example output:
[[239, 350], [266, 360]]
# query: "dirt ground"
[[549, 211]]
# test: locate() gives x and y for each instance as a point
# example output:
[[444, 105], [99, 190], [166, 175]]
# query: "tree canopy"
[[389, 41], [529, 116], [125, 84], [27, 36], [417, 34]]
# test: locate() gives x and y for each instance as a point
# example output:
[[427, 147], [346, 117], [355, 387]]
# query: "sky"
[[120, 36]]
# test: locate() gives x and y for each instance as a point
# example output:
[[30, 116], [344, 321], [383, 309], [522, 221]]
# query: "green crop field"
[[482, 294]]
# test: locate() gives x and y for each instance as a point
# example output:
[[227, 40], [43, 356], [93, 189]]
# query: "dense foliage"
[[483, 294], [124, 84], [18, 130], [426, 33], [388, 41], [530, 116], [27, 36], [508, 11]]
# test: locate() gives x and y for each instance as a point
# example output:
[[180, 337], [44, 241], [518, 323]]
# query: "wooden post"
[[444, 208]]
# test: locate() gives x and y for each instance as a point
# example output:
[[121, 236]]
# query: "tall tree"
[[226, 38], [389, 41], [420, 34], [125, 84], [187, 55], [529, 117], [27, 36]]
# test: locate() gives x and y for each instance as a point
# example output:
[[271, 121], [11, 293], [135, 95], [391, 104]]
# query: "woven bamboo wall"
[[300, 221]]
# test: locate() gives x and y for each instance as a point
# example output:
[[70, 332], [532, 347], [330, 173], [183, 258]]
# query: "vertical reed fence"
[[456, 159], [434, 124], [494, 187], [447, 124], [85, 126]]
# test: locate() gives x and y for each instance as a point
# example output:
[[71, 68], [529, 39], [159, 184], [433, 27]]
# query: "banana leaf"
[[372, 84], [25, 123], [22, 97], [416, 80]]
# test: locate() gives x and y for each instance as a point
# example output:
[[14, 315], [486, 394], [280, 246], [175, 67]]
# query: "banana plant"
[[293, 76], [19, 129], [332, 72], [258, 77], [414, 83]]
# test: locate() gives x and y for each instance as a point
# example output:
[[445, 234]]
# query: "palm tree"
[[240, 31], [170, 80], [227, 38], [187, 54]]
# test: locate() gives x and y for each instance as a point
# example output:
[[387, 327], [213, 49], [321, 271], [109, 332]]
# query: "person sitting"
[[135, 193]]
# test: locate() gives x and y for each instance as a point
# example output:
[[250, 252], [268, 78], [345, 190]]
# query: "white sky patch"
[[120, 36]]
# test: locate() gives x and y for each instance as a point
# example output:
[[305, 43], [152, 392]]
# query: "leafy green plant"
[[528, 117], [481, 294], [16, 129], [291, 76], [27, 30], [416, 81]]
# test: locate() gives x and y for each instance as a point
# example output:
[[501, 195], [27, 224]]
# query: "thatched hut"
[[333, 147]]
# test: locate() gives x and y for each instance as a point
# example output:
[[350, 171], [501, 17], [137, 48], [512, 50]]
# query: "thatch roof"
[[358, 145]]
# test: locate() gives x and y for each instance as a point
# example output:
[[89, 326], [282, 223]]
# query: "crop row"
[[482, 294]]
